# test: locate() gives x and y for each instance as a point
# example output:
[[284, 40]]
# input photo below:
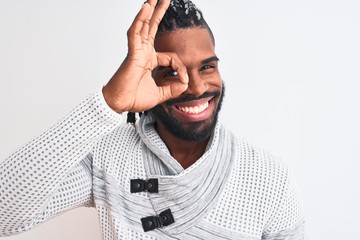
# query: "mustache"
[[188, 98]]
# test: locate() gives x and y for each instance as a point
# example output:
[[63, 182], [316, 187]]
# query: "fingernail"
[[186, 78]]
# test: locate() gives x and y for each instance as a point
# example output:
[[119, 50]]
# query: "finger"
[[158, 14], [146, 22], [172, 60], [171, 90], [134, 32]]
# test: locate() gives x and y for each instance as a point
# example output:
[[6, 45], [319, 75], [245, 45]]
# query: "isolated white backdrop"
[[292, 71]]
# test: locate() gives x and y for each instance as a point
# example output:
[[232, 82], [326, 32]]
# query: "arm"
[[288, 223], [38, 174]]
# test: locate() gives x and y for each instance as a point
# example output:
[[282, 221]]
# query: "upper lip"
[[191, 100], [193, 103]]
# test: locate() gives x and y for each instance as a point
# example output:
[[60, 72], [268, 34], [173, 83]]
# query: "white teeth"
[[194, 110]]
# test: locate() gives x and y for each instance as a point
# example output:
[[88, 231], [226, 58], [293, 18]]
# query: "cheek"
[[214, 81]]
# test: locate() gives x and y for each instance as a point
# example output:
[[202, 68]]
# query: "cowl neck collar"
[[152, 140], [189, 193]]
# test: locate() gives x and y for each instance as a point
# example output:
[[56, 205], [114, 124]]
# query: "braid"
[[182, 14], [131, 116]]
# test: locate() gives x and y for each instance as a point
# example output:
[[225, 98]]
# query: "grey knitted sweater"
[[92, 158]]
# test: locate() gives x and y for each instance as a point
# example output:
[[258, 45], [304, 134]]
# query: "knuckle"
[[146, 21], [151, 38], [173, 56], [157, 21]]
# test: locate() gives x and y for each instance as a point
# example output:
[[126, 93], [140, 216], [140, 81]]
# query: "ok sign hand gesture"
[[132, 88]]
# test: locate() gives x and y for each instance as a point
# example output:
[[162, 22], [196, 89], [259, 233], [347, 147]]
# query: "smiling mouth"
[[194, 109], [193, 106], [197, 106]]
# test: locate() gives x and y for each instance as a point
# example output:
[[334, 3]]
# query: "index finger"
[[172, 60], [158, 14]]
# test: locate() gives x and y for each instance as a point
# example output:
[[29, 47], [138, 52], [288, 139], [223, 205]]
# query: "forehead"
[[189, 44]]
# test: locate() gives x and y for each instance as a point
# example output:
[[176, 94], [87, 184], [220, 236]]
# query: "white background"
[[292, 71]]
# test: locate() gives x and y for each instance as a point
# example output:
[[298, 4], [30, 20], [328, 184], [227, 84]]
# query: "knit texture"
[[234, 191]]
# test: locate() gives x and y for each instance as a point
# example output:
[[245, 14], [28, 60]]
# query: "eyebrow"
[[210, 59]]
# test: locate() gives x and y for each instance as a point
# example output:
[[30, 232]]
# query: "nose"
[[197, 85]]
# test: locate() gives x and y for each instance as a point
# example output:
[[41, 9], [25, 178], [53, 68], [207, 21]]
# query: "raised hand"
[[132, 88]]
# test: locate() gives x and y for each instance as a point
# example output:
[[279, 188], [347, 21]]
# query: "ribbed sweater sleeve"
[[288, 222], [56, 165]]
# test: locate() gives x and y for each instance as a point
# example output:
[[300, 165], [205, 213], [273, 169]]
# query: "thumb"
[[172, 90]]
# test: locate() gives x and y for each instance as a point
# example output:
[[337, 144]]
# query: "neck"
[[185, 152]]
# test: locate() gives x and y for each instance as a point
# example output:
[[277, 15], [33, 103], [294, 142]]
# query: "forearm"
[[34, 173]]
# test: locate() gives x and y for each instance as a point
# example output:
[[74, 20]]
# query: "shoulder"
[[258, 160], [258, 187], [259, 173]]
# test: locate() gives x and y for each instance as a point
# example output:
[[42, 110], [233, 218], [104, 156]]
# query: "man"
[[174, 174]]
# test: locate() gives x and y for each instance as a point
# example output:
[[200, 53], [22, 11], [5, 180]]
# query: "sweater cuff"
[[99, 96]]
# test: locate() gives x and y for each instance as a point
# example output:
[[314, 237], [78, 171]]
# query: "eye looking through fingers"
[[172, 73], [162, 74]]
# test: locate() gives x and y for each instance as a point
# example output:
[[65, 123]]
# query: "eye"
[[171, 73], [207, 67]]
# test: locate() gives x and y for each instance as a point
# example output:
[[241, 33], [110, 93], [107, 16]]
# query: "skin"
[[169, 66], [132, 88], [196, 50]]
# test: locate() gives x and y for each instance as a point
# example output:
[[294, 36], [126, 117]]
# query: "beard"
[[193, 131]]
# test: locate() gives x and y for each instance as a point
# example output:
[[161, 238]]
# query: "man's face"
[[192, 116]]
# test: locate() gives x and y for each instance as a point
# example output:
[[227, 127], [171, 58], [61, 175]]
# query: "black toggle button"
[[138, 185], [165, 218], [150, 223]]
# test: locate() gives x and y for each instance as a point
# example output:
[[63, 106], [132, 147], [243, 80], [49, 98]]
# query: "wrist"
[[111, 100]]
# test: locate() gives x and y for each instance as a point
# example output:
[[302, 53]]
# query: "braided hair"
[[181, 14]]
